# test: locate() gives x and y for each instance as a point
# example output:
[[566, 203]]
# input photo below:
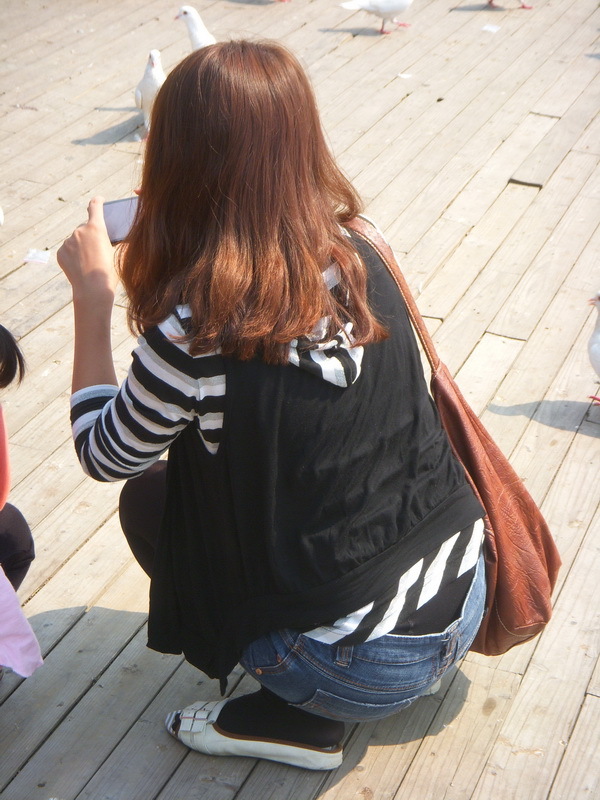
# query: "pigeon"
[[200, 36], [594, 342], [147, 89], [386, 9]]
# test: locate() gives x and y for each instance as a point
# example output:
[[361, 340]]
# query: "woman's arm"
[[119, 432], [87, 259]]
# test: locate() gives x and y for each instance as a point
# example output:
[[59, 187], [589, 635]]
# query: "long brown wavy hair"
[[241, 206]]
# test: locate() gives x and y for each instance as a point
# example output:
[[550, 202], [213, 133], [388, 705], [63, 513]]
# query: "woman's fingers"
[[96, 211], [87, 256]]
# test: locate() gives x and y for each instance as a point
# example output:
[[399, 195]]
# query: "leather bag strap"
[[368, 231]]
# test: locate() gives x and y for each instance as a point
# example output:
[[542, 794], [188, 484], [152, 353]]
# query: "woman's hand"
[[87, 258]]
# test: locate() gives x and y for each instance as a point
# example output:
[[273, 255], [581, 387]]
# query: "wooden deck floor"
[[475, 136]]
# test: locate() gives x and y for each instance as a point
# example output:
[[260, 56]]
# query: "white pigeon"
[[594, 342], [147, 89], [386, 9], [200, 36]]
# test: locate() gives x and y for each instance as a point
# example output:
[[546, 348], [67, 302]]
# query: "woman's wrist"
[[94, 299], [92, 358]]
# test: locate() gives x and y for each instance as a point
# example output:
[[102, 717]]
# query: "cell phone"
[[119, 216]]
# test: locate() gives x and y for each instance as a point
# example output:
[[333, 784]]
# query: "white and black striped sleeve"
[[119, 432]]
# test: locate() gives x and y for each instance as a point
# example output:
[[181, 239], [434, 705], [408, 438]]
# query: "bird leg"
[[492, 4], [396, 23], [594, 398]]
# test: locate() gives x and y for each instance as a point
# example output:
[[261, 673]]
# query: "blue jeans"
[[365, 681]]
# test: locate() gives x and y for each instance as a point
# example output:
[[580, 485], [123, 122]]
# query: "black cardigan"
[[317, 500]]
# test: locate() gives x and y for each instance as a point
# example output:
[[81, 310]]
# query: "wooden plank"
[[47, 160], [589, 142], [34, 448], [376, 85], [461, 114], [67, 527], [594, 687], [557, 419], [490, 181], [48, 484], [470, 317], [47, 24], [450, 282], [16, 192], [79, 657], [539, 166], [484, 370], [452, 179], [52, 295], [454, 753], [402, 127], [477, 149], [431, 252], [40, 15], [468, 37], [378, 756], [67, 62], [563, 322], [571, 505], [572, 83], [46, 220], [177, 30], [530, 745], [53, 416], [403, 131], [359, 54], [547, 271], [48, 352], [569, 508], [37, 30], [30, 274], [61, 766], [578, 775], [93, 566], [147, 757]]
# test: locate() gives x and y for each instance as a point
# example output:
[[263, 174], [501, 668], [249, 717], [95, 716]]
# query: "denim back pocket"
[[333, 707], [271, 654]]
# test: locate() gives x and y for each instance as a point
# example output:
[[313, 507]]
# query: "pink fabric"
[[19, 649], [4, 462]]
